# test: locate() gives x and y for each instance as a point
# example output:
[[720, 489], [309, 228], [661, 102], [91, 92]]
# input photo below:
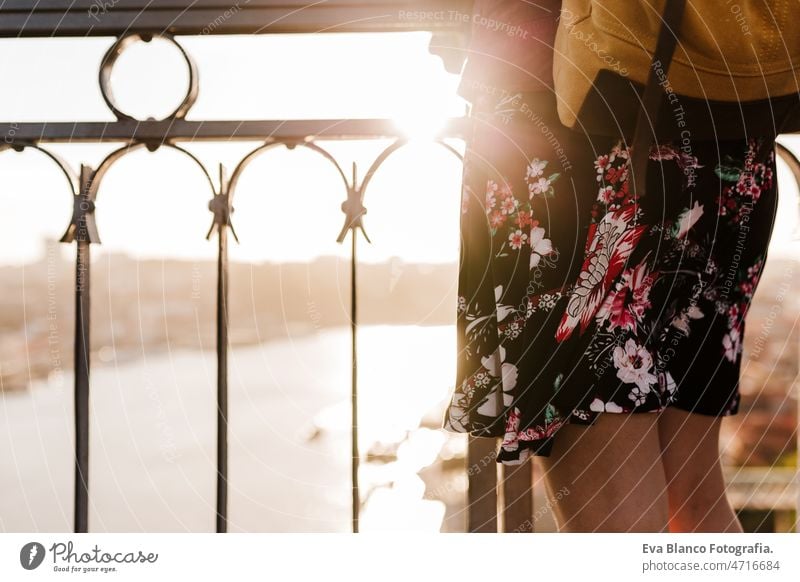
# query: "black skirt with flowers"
[[576, 297]]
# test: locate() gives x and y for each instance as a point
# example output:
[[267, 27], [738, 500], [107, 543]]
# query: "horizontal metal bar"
[[157, 132], [122, 5], [103, 18]]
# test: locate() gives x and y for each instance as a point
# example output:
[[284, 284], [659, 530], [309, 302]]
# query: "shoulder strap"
[[651, 99]]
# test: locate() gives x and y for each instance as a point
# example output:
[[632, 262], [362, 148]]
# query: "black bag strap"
[[651, 98]]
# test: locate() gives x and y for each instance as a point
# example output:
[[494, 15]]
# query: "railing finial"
[[353, 209], [221, 205], [82, 225]]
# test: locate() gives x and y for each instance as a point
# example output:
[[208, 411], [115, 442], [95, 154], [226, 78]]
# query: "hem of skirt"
[[705, 412], [525, 449], [475, 432], [494, 429]]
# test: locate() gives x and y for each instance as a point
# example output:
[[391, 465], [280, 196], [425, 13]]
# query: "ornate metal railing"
[[132, 21], [498, 498]]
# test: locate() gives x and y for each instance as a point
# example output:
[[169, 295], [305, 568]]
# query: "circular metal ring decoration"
[[113, 53]]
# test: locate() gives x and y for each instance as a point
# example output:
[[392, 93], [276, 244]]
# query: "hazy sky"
[[288, 203]]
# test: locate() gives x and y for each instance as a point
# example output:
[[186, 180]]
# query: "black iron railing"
[[134, 21], [498, 499]]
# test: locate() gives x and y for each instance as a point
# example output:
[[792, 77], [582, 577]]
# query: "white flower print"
[[633, 363], [509, 205], [536, 168], [547, 301], [502, 310], [540, 246], [598, 405], [528, 308], [465, 200], [538, 183], [638, 395], [670, 382], [497, 367], [513, 330], [540, 186], [688, 218], [482, 379]]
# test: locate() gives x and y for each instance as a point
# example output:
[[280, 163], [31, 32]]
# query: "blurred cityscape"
[[149, 306], [153, 304]]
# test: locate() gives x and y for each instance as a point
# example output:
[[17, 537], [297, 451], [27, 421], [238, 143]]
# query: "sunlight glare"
[[420, 125]]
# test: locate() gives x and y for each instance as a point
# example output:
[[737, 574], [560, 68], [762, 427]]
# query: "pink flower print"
[[496, 218], [504, 190], [633, 363], [615, 175], [553, 422], [661, 152], [511, 438], [491, 189], [625, 306], [523, 218], [734, 313], [614, 310], [753, 275], [606, 195], [731, 343], [742, 186], [619, 152], [763, 175], [509, 205], [517, 239], [668, 151], [600, 164]]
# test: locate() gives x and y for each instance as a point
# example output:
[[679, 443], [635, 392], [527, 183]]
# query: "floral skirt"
[[576, 297]]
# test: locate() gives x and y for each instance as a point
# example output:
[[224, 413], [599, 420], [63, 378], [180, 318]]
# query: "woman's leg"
[[611, 475], [695, 485]]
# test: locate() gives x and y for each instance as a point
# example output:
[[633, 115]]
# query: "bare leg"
[[610, 474], [695, 485]]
